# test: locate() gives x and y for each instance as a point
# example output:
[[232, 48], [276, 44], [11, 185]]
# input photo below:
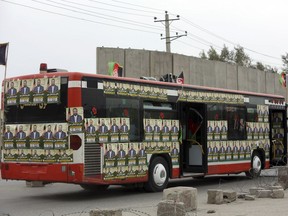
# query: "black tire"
[[158, 175], [94, 187], [256, 166]]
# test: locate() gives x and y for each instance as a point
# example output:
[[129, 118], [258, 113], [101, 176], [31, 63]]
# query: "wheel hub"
[[159, 174], [256, 164]]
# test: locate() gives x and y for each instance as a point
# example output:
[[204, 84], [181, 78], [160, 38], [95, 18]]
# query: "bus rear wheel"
[[256, 166], [158, 175], [94, 187]]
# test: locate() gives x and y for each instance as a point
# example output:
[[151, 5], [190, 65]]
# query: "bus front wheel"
[[256, 166], [158, 175]]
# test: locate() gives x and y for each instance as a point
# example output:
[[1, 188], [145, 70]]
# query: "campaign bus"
[[97, 130]]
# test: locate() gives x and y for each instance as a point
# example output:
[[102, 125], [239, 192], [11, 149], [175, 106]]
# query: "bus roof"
[[79, 75]]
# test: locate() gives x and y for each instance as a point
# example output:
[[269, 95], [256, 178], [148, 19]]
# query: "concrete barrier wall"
[[197, 71]]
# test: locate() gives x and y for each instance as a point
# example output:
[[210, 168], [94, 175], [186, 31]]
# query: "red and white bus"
[[97, 130]]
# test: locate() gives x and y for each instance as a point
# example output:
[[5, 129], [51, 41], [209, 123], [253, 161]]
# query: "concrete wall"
[[197, 71]]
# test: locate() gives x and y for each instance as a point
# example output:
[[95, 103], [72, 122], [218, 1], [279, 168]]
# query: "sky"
[[65, 33]]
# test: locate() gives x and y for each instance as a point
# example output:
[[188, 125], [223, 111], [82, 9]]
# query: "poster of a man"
[[75, 118], [34, 133], [132, 151], [53, 88], [114, 126], [21, 134], [165, 128], [110, 154], [91, 128], [124, 128], [148, 127], [121, 152], [12, 90], [38, 88], [103, 128], [48, 134], [8, 134], [175, 126], [25, 89], [60, 134]]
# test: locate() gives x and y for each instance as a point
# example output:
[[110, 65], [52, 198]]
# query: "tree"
[[213, 55], [240, 57], [285, 62], [203, 55], [260, 66], [226, 55]]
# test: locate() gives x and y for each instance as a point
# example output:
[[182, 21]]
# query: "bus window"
[[236, 122], [216, 112], [252, 115], [158, 110], [125, 107]]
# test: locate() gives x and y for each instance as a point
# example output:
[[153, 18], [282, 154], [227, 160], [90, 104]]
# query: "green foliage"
[[241, 58], [260, 66], [226, 55], [285, 62], [203, 55], [212, 54]]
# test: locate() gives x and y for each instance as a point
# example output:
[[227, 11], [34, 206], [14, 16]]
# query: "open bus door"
[[193, 148], [278, 137]]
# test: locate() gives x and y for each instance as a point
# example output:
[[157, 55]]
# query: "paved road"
[[64, 199]]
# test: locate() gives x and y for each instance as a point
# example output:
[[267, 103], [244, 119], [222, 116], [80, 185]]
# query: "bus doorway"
[[193, 148]]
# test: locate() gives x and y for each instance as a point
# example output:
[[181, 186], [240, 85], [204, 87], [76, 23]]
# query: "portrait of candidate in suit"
[[21, 134], [12, 90], [75, 118], [60, 134], [90, 128], [124, 127], [103, 127], [53, 88], [48, 134], [110, 153], [24, 89], [114, 127], [8, 134], [38, 88], [34, 134], [148, 127], [132, 151]]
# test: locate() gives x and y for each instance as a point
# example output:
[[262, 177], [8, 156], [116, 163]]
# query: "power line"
[[78, 18], [102, 16], [155, 9]]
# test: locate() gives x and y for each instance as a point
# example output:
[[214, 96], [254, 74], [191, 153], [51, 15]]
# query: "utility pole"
[[167, 37]]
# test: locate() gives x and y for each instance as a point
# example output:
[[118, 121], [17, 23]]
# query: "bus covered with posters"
[[97, 130]]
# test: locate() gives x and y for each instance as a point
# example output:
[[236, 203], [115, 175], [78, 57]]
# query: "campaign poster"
[[162, 94], [110, 155], [148, 129], [10, 154], [36, 130], [21, 133], [165, 130], [74, 117], [48, 135], [229, 145], [266, 130], [222, 151], [38, 90], [132, 171], [249, 130], [23, 155], [210, 126], [266, 113], [216, 145], [103, 130], [190, 96], [217, 130], [235, 149], [122, 88], [210, 151], [242, 150], [153, 92], [267, 148], [174, 130], [53, 90], [110, 173], [141, 155], [25, 91], [11, 92], [49, 155], [134, 90], [181, 95], [65, 155], [124, 129], [109, 87], [261, 133], [36, 155], [60, 137], [143, 92], [132, 154], [142, 170], [255, 126], [121, 155], [148, 147], [248, 149], [121, 172], [8, 137], [174, 152], [91, 128], [156, 123], [224, 129], [114, 129]]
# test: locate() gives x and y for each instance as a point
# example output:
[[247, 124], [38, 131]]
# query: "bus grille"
[[92, 159]]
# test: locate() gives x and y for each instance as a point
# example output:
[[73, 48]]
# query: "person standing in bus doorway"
[[48, 134], [38, 88], [114, 127], [75, 118], [8, 134], [21, 134], [60, 134], [53, 88], [91, 128], [12, 91], [103, 127], [25, 89], [34, 134]]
